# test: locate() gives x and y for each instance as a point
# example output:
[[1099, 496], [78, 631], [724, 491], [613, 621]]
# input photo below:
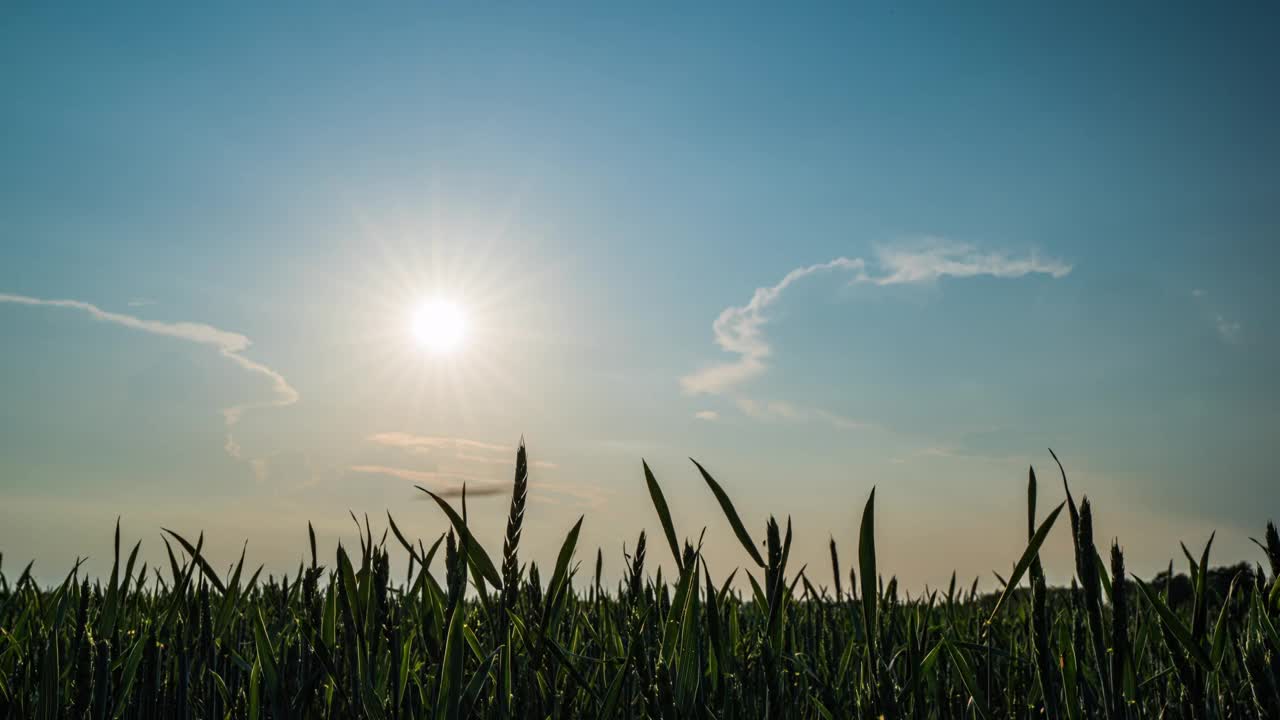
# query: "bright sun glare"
[[440, 326]]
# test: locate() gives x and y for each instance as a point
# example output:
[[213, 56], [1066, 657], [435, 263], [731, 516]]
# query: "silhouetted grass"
[[346, 641]]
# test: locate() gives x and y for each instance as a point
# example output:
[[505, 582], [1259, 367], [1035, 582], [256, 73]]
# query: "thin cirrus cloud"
[[739, 330], [445, 484], [451, 484], [473, 463], [428, 443], [1228, 329], [460, 449], [785, 411], [230, 345]]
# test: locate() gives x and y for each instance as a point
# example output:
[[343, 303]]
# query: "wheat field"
[[468, 636]]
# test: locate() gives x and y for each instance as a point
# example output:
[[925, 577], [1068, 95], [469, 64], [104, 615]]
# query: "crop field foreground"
[[474, 633]]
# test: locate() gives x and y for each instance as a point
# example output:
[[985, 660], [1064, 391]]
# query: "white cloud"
[[447, 484], [427, 443], [478, 464], [502, 461], [932, 259], [840, 421], [952, 453], [739, 329], [429, 476], [230, 345], [450, 484], [461, 450], [261, 469], [767, 410], [708, 415], [787, 412], [1228, 330]]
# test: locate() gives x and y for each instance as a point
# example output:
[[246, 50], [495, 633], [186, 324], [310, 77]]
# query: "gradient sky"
[[817, 250]]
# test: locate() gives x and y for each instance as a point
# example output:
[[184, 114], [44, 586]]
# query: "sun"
[[440, 326]]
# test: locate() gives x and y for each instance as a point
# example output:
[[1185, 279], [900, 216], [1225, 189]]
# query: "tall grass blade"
[[476, 555], [664, 514], [1028, 556], [732, 514]]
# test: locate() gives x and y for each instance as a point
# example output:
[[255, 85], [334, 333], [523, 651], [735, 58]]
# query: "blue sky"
[[1004, 229]]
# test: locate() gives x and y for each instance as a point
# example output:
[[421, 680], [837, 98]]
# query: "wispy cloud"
[[929, 260], [1228, 330], [777, 410], [446, 484], [140, 302], [460, 449], [738, 330], [261, 469], [953, 453], [482, 466], [708, 415], [450, 484], [582, 494], [504, 461], [230, 345], [295, 469], [409, 441]]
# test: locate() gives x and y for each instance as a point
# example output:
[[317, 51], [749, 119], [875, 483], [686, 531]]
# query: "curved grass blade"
[[1028, 556], [923, 671], [476, 555], [969, 679], [130, 674], [558, 588], [1219, 644], [1071, 502], [199, 559], [867, 568], [664, 514], [614, 694], [1174, 625], [1200, 611], [408, 546], [561, 571], [449, 691], [732, 514], [471, 696]]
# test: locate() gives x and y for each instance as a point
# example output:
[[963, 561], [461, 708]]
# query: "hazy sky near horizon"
[[817, 249]]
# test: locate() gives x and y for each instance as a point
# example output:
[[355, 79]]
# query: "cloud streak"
[[475, 463], [462, 449], [450, 484], [427, 443], [739, 330], [446, 484], [1228, 330], [787, 412], [230, 345]]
